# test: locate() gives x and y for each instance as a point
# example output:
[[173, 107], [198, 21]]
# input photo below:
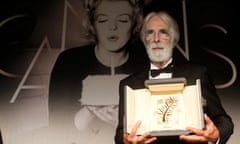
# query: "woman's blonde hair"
[[90, 7]]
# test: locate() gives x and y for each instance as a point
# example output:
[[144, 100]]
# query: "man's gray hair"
[[168, 19]]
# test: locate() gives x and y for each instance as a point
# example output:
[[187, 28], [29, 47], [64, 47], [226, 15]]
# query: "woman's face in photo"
[[113, 22]]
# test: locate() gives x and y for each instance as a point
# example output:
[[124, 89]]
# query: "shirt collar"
[[152, 66]]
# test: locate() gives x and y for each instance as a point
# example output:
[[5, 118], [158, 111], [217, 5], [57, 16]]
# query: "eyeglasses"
[[162, 33]]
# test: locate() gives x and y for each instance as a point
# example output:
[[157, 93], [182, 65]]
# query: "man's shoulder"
[[190, 66], [191, 71]]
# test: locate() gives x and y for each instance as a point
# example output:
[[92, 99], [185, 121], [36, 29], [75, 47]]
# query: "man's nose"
[[156, 37]]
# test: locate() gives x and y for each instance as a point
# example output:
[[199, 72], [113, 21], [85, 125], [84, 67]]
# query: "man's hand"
[[132, 138], [209, 134]]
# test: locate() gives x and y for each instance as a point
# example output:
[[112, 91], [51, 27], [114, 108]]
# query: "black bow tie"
[[156, 72]]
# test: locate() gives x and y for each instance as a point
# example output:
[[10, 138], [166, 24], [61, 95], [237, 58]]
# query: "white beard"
[[159, 55]]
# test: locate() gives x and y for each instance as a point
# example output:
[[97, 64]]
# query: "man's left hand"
[[209, 134]]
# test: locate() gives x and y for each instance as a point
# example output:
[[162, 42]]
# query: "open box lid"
[[166, 85]]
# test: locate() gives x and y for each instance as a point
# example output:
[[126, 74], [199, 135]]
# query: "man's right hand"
[[132, 138]]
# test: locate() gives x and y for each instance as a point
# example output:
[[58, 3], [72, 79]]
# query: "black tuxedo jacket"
[[213, 108]]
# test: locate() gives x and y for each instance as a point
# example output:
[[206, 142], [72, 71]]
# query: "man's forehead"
[[156, 22]]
